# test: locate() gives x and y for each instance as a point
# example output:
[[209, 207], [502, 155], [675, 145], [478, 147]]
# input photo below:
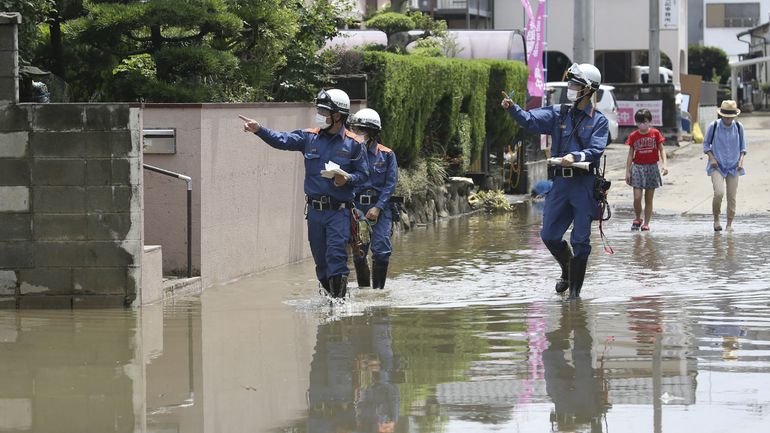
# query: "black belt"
[[325, 202], [554, 170]]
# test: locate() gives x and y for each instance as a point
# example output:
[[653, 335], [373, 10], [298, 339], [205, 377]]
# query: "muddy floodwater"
[[672, 334]]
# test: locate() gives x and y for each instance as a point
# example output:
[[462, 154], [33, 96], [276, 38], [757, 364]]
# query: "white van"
[[605, 102], [641, 74]]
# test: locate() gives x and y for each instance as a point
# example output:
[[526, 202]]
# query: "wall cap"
[[10, 18]]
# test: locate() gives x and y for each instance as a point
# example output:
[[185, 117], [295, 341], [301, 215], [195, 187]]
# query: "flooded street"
[[672, 334]]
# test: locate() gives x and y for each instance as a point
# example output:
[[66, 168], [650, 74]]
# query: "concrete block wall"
[[70, 205], [9, 59]]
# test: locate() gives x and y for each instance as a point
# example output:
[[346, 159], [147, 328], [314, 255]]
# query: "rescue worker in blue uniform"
[[373, 199], [329, 200], [579, 133]]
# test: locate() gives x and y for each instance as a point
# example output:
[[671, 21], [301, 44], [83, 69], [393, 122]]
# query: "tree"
[[711, 63], [33, 12], [184, 50], [186, 39], [305, 70], [270, 28], [390, 23], [65, 10], [396, 26]]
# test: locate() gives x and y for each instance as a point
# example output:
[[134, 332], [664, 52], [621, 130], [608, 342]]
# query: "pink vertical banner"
[[535, 39]]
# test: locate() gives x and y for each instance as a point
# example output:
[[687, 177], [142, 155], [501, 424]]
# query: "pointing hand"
[[250, 125], [507, 101]]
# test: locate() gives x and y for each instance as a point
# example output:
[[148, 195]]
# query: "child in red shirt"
[[644, 151]]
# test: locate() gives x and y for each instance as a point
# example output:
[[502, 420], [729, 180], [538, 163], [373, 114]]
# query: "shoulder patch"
[[313, 130], [382, 148], [354, 136]]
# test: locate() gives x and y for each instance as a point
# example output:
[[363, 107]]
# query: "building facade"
[[620, 35], [724, 20]]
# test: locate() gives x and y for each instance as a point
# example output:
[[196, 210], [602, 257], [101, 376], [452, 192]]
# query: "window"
[[732, 15]]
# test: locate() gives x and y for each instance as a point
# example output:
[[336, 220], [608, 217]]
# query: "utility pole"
[[654, 53], [583, 34]]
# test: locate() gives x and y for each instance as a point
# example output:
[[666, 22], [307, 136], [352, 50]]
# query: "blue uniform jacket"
[[383, 174], [593, 130], [345, 148]]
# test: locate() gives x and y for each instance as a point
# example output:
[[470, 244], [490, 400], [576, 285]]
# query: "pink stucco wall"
[[165, 198], [248, 199]]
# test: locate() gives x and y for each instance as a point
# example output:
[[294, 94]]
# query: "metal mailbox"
[[159, 140]]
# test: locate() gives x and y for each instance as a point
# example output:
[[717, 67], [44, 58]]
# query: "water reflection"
[[647, 253], [579, 392], [173, 357], [673, 335], [65, 371], [353, 376]]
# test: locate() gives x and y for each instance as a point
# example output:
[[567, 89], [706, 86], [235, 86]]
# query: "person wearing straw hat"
[[725, 146]]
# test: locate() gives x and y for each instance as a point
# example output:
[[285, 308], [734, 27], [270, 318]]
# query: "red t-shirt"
[[645, 146]]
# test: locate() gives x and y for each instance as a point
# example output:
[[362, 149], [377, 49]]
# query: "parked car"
[[641, 74], [605, 102]]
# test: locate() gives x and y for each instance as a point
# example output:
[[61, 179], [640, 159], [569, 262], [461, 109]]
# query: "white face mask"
[[321, 121], [572, 95]]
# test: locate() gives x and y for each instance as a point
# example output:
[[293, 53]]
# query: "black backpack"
[[714, 131]]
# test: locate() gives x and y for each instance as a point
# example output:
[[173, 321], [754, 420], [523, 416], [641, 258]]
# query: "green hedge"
[[409, 92], [504, 75]]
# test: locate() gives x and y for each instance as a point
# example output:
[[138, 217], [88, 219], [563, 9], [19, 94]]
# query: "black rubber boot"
[[577, 273], [325, 285], [339, 286], [362, 272], [564, 257], [379, 274]]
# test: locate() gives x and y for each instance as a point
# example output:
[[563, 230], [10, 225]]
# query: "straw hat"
[[728, 109]]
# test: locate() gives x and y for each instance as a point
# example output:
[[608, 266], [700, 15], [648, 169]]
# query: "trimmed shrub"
[[411, 92], [390, 23]]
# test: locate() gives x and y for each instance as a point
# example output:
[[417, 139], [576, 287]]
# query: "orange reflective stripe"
[[353, 135]]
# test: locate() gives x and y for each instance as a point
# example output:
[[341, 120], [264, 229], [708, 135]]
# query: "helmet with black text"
[[582, 80], [366, 119], [334, 100]]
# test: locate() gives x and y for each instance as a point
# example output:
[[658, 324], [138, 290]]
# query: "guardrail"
[[187, 179]]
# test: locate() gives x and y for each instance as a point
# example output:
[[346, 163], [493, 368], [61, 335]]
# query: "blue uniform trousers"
[[570, 201], [329, 234], [380, 245]]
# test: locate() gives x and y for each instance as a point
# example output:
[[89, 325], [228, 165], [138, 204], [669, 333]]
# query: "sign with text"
[[627, 109], [669, 15]]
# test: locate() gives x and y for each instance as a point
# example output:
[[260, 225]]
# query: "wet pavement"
[[672, 334]]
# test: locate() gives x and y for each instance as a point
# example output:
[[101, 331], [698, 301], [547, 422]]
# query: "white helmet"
[[586, 74], [367, 118], [333, 99]]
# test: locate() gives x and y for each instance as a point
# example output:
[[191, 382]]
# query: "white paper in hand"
[[331, 168], [583, 165]]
